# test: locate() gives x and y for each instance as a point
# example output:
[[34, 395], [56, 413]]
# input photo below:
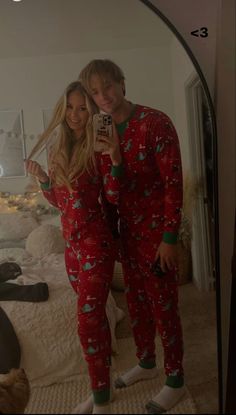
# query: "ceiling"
[[51, 27]]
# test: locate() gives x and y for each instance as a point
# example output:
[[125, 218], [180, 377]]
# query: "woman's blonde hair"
[[69, 158]]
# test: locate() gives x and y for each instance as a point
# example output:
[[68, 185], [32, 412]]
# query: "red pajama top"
[[151, 191], [81, 211]]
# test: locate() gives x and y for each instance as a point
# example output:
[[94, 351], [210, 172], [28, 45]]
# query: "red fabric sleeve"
[[165, 145], [111, 176], [49, 193]]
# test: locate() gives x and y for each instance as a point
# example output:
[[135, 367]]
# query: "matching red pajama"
[[89, 259], [150, 212]]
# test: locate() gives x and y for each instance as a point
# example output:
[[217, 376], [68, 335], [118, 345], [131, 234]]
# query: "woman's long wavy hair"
[[68, 157]]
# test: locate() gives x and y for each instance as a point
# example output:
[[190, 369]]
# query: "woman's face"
[[76, 113]]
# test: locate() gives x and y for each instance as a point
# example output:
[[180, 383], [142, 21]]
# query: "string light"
[[17, 135], [24, 135], [26, 202]]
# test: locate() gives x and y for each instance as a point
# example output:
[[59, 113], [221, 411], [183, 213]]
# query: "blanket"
[[47, 331]]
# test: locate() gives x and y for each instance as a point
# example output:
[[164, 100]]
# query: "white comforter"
[[47, 331]]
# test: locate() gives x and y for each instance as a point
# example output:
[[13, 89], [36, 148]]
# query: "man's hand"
[[167, 254], [113, 146]]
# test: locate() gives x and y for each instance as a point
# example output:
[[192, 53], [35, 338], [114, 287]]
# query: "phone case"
[[156, 269], [102, 125]]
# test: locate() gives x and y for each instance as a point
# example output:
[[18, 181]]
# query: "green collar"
[[121, 127]]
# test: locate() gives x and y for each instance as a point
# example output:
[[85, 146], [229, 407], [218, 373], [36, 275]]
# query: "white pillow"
[[16, 225], [50, 219], [44, 240]]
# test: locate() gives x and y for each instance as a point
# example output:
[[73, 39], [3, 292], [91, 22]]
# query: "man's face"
[[107, 94]]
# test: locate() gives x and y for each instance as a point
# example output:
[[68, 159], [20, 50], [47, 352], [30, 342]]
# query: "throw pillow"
[[16, 225], [44, 240]]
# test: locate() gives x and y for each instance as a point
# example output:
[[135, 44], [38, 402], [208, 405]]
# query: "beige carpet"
[[198, 313], [62, 398]]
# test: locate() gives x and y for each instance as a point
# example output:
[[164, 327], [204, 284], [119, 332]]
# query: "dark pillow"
[[10, 353], [9, 271]]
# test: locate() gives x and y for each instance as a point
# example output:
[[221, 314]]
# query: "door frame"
[[203, 272]]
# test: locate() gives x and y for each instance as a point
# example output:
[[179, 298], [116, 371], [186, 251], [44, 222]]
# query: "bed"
[[46, 330]]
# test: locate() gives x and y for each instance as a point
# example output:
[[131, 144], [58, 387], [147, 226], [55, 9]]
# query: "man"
[[150, 213]]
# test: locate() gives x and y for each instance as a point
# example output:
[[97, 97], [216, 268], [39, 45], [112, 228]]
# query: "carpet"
[[63, 397]]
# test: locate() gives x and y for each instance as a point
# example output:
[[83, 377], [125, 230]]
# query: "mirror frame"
[[216, 265]]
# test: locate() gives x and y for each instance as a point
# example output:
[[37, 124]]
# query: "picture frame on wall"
[[12, 144]]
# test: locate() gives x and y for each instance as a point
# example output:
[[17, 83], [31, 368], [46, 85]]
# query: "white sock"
[[85, 407], [134, 375], [102, 409], [165, 399]]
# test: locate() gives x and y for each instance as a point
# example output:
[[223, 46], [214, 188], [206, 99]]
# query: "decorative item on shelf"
[[185, 231], [192, 189], [184, 250]]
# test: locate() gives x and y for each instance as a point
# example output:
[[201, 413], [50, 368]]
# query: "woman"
[[77, 177]]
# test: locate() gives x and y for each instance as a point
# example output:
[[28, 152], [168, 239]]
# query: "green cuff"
[[101, 396], [117, 171], [147, 364], [175, 381], [46, 185], [170, 238]]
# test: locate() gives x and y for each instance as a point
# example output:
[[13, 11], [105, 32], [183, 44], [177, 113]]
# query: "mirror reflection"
[[158, 74]]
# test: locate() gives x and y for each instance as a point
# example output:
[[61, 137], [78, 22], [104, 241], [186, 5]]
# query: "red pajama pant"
[[153, 304], [90, 269]]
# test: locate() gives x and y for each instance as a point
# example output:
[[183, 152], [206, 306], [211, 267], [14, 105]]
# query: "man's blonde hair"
[[104, 68], [69, 158]]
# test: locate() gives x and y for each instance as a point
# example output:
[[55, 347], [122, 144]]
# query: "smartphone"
[[156, 269], [102, 125]]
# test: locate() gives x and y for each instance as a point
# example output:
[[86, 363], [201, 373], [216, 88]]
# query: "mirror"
[[59, 38]]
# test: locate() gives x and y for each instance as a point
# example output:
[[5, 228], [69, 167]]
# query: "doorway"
[[201, 159]]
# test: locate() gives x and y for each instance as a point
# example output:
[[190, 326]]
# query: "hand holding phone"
[[102, 127], [106, 138]]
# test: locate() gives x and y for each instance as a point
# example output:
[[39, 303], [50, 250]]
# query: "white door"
[[202, 249]]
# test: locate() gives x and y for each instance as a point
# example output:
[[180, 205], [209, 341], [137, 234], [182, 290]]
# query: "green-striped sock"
[[147, 364], [101, 396], [175, 381]]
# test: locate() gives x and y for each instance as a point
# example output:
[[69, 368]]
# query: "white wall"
[[31, 84], [189, 15], [182, 69]]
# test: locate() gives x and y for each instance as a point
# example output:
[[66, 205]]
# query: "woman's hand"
[[34, 168], [113, 146]]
